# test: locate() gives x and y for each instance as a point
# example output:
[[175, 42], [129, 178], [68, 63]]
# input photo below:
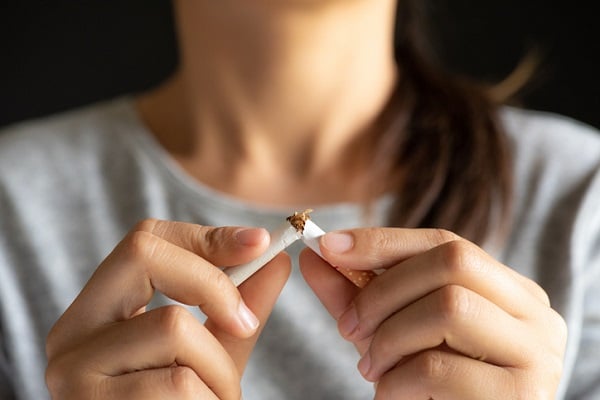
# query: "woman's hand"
[[443, 321], [107, 346]]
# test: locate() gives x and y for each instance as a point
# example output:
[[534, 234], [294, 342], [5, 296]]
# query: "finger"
[[455, 317], [375, 248], [260, 293], [157, 384], [173, 382], [142, 262], [453, 263], [156, 339], [222, 246], [335, 292], [436, 374]]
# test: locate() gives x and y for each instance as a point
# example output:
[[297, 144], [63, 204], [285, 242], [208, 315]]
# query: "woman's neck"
[[278, 91]]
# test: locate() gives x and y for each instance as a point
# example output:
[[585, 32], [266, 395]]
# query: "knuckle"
[[555, 369], [440, 236], [140, 245], [541, 293], [54, 377], [563, 330], [433, 368], [173, 322], [146, 225], [382, 344], [560, 329], [58, 377], [184, 382], [536, 290], [385, 389], [455, 256], [454, 303]]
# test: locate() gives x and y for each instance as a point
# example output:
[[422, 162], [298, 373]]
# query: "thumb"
[[260, 293]]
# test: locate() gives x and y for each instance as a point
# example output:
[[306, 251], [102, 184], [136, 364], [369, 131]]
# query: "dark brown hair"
[[446, 155]]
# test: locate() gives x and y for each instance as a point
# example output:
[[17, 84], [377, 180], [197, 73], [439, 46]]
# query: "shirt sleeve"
[[585, 379]]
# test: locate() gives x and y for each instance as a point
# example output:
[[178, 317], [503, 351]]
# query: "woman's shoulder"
[[554, 155], [65, 129], [64, 150], [556, 218], [552, 137], [557, 178]]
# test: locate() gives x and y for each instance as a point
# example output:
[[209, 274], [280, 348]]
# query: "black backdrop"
[[55, 55]]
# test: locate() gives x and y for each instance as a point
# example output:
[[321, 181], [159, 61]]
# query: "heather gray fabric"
[[72, 185]]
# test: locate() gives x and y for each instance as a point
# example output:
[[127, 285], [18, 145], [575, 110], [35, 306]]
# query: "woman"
[[275, 107]]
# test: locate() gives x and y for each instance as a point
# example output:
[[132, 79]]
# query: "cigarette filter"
[[310, 237]]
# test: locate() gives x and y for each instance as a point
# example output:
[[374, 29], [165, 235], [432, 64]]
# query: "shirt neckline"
[[181, 182]]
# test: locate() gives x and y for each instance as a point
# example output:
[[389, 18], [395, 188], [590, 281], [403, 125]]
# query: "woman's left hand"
[[443, 321]]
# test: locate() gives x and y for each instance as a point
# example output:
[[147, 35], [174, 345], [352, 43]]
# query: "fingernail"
[[364, 365], [348, 322], [247, 317], [250, 236], [337, 242]]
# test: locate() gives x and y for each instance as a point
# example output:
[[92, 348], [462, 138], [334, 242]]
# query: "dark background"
[[56, 55]]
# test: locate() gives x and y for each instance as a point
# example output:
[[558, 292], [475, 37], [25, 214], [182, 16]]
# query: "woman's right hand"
[[106, 345]]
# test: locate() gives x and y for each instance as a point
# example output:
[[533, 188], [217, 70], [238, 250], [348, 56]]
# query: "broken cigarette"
[[300, 227], [311, 233]]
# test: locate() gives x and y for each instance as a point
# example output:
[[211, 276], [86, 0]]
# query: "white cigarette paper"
[[300, 227], [311, 235], [280, 240]]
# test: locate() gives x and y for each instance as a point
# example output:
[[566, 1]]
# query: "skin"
[[292, 102], [106, 345], [443, 321], [289, 103]]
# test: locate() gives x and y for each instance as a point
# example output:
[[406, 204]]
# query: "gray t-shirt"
[[72, 185]]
